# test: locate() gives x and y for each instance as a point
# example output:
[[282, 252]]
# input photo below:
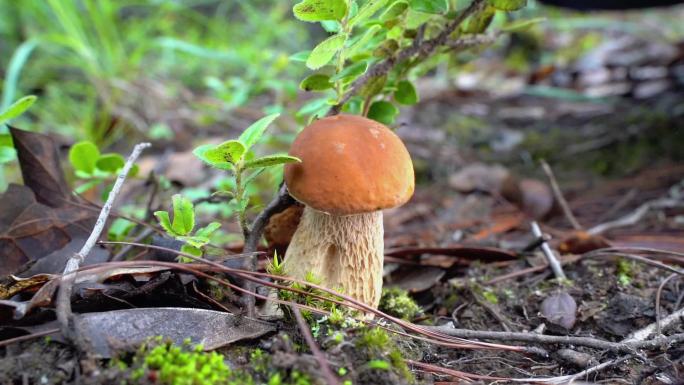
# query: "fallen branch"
[[595, 343], [63, 305], [559, 196]]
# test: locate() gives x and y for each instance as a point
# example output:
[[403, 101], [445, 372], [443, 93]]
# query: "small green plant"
[[95, 168], [183, 224], [7, 152], [236, 157], [382, 352], [397, 302]]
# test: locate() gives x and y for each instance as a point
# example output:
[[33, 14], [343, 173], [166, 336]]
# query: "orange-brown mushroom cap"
[[350, 165]]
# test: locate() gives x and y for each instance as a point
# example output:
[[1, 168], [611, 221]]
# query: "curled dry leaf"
[[106, 332], [581, 242], [560, 309], [40, 167]]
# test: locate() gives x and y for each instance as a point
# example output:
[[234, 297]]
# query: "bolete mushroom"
[[351, 168]]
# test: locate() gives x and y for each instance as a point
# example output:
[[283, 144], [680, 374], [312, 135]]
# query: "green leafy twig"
[[420, 49]]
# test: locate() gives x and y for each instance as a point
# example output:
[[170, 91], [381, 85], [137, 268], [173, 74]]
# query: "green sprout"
[[182, 226], [236, 157]]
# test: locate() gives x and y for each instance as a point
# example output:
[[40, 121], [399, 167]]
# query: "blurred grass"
[[101, 66]]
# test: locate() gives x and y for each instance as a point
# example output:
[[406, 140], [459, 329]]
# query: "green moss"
[[397, 302], [379, 346], [168, 364]]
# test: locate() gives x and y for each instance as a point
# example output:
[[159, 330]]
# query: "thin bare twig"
[[657, 302], [559, 196], [636, 215], [548, 253], [318, 354], [28, 337], [69, 275], [595, 343]]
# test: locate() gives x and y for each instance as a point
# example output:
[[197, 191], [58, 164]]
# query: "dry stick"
[[559, 196], [420, 49], [657, 302], [64, 314], [622, 347], [320, 357], [548, 253], [282, 201], [636, 215], [28, 337]]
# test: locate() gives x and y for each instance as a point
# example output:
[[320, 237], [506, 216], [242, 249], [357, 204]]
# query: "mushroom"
[[351, 168]]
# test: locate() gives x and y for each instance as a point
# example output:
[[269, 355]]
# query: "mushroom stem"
[[345, 252]]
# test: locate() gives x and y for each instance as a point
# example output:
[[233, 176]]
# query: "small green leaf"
[[17, 108], [300, 56], [362, 43], [316, 107], [271, 160], [373, 87], [319, 10], [110, 162], [478, 23], [183, 215], [83, 156], [383, 112], [521, 25], [254, 132], [325, 51], [163, 218], [119, 229], [189, 249], [201, 153], [366, 11], [208, 230], [406, 93], [90, 184], [228, 151], [508, 5], [350, 73], [354, 106], [394, 11], [430, 6], [7, 154], [316, 82]]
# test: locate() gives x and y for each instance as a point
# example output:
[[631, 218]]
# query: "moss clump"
[[168, 364], [397, 302], [377, 345], [171, 364]]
